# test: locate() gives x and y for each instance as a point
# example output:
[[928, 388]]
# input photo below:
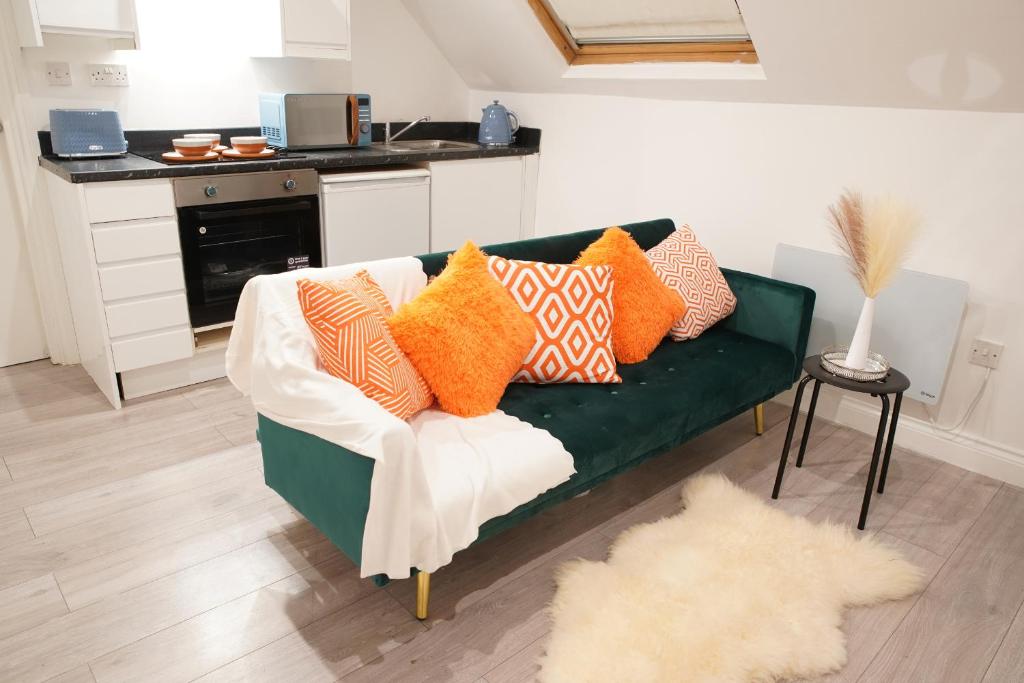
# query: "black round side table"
[[893, 383]]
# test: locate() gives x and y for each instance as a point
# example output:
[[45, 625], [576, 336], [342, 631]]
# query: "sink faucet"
[[388, 137]]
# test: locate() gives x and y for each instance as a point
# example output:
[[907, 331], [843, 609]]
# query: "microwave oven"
[[315, 120]]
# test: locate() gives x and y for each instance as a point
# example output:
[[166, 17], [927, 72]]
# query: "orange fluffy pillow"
[[346, 318], [465, 334], [645, 308]]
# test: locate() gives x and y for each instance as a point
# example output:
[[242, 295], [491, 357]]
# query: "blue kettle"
[[497, 126]]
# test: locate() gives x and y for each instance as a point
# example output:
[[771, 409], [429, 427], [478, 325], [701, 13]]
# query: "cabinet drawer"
[[146, 315], [136, 240], [152, 349], [141, 279], [126, 200]]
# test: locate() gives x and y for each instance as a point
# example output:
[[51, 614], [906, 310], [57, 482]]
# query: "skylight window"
[[616, 32]]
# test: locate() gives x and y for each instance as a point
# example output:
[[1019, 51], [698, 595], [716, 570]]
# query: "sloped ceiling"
[[935, 54]]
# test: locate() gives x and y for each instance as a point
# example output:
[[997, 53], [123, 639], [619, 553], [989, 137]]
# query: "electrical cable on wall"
[[967, 414]]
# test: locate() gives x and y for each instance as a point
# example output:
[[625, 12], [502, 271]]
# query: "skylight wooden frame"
[[738, 51]]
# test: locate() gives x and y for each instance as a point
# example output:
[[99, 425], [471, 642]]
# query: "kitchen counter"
[[136, 167]]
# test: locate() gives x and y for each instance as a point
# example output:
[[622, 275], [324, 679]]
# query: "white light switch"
[[58, 73]]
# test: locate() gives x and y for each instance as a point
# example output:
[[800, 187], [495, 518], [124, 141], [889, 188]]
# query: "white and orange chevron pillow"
[[347, 319], [685, 265], [572, 309]]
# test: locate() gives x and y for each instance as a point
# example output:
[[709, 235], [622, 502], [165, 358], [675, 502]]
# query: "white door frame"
[[32, 210]]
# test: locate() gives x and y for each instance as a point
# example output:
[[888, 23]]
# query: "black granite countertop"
[[135, 167]]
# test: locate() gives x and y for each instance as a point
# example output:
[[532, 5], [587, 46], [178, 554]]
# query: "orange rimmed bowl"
[[192, 147], [214, 138], [249, 144]]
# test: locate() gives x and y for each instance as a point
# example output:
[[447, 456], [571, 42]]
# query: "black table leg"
[[807, 424], [874, 461], [888, 443], [789, 434]]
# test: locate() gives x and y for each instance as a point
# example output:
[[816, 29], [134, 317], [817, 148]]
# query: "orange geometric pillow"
[[645, 308], [685, 265], [464, 334], [346, 318], [571, 307]]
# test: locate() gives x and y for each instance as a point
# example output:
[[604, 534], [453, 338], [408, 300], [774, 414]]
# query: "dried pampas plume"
[[875, 236]]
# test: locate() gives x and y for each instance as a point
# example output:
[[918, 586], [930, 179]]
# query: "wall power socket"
[[986, 353], [108, 74]]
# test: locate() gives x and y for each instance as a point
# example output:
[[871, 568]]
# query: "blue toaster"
[[78, 133]]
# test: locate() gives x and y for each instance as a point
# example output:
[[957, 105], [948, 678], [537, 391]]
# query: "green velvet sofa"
[[682, 390]]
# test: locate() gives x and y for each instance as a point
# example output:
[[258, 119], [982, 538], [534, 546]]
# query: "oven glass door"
[[225, 245]]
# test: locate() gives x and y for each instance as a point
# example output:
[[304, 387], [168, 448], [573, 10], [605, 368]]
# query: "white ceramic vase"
[[857, 356]]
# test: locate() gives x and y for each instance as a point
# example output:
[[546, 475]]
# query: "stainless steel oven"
[[236, 226]]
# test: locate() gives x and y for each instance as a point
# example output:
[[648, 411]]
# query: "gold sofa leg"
[[422, 594], [759, 419]]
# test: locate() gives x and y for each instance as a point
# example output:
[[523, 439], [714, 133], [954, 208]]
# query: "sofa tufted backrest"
[[558, 248]]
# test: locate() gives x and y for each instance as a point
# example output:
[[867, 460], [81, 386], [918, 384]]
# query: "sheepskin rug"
[[730, 590]]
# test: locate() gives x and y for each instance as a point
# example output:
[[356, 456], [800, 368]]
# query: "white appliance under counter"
[[369, 215]]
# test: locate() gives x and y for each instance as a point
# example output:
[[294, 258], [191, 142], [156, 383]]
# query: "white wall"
[[211, 81], [748, 176], [403, 69]]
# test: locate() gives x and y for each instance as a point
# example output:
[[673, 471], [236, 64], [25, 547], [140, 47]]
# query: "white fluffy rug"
[[730, 590]]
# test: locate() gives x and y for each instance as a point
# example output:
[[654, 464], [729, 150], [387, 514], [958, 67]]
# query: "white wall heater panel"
[[917, 319]]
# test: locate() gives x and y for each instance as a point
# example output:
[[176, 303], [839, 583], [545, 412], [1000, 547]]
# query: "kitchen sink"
[[424, 145]]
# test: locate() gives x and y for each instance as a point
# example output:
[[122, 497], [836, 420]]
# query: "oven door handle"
[[214, 214]]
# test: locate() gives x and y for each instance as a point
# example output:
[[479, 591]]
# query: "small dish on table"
[[248, 144], [179, 158], [192, 147], [214, 139], [237, 154]]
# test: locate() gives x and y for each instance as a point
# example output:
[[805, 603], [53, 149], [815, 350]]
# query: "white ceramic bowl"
[[249, 144], [192, 147], [214, 138]]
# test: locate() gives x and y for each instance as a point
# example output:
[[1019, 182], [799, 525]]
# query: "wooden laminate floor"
[[142, 545]]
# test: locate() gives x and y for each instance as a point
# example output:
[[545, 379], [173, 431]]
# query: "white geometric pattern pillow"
[[572, 309], [686, 266]]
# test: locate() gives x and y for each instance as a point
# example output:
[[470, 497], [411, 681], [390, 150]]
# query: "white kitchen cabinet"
[[112, 19], [143, 315], [152, 349], [485, 200], [136, 239], [108, 202], [308, 28], [125, 281], [374, 215], [129, 280]]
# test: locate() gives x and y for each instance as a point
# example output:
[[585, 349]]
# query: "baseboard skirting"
[[971, 453]]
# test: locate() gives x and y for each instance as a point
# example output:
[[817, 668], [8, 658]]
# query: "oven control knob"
[[289, 184], [210, 191], [202, 230], [364, 128]]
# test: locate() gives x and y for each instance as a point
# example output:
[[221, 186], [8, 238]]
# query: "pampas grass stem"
[[875, 235]]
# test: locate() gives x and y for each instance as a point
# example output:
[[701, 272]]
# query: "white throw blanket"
[[437, 478]]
